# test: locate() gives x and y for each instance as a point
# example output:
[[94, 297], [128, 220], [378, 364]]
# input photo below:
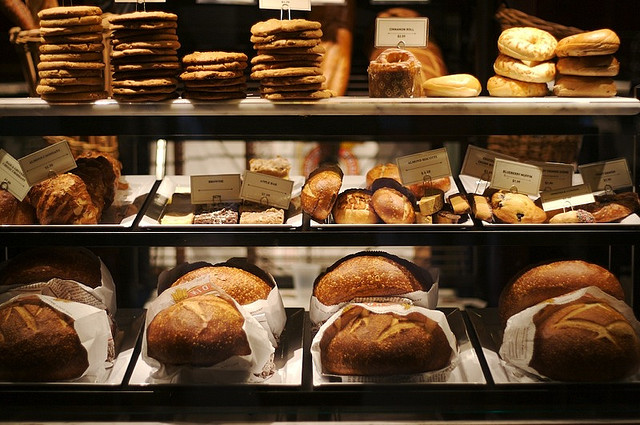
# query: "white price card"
[[266, 190], [285, 4], [405, 32], [566, 197], [478, 162], [213, 189], [47, 162], [518, 176], [12, 178], [600, 175], [424, 166], [555, 175]]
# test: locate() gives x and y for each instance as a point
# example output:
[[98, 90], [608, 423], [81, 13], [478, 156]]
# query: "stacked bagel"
[[586, 64], [524, 66]]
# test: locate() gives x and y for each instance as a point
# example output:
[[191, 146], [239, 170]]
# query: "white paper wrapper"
[[403, 310], [516, 350], [94, 332], [254, 367]]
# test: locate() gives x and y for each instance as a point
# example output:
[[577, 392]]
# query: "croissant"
[[63, 199]]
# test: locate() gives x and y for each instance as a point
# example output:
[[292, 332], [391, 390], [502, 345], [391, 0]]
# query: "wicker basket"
[[508, 18], [553, 148], [102, 144]]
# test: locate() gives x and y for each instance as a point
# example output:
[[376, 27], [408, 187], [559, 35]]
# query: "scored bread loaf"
[[553, 279], [584, 340], [320, 191], [369, 274], [361, 342]]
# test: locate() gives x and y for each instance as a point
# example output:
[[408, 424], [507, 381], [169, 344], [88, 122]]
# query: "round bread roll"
[[589, 66], [353, 206], [203, 330], [320, 192], [500, 86], [369, 274], [361, 342], [516, 208], [395, 73], [241, 285], [527, 43], [533, 72], [392, 202], [550, 280], [389, 170], [454, 85], [38, 343], [584, 340], [573, 86], [591, 43]]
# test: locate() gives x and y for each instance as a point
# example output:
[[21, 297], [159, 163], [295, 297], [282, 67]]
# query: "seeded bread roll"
[[361, 342], [369, 274], [584, 340], [320, 192], [551, 280]]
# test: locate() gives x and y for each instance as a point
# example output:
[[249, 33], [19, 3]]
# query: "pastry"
[[353, 206], [509, 207], [395, 73]]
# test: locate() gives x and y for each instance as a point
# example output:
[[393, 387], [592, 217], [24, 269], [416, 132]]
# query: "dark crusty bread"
[[15, 212], [361, 342], [369, 274], [100, 176], [42, 264], [551, 280], [320, 192], [584, 340], [199, 331], [38, 343]]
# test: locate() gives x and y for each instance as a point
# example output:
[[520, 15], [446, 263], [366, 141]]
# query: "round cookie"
[[200, 95], [303, 95], [73, 38], [141, 35], [74, 97], [293, 34], [286, 72], [204, 75], [144, 16], [144, 97], [69, 73], [285, 64], [143, 73], [63, 12], [215, 82], [159, 44], [63, 81], [145, 25], [143, 90], [140, 59], [272, 26], [287, 43], [214, 57], [75, 57], [42, 89], [231, 66], [145, 66], [71, 22], [293, 87], [69, 65], [287, 81], [275, 57], [79, 29], [319, 49], [117, 54], [217, 89], [71, 47], [146, 83]]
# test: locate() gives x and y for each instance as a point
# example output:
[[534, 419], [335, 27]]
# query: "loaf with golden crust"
[[203, 330], [353, 206], [361, 342], [389, 170], [13, 211], [63, 199], [369, 274], [320, 192], [584, 340], [553, 279], [38, 343], [392, 202]]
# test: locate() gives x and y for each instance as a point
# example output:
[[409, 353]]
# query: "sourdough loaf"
[[320, 192]]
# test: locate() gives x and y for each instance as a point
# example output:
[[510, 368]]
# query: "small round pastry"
[[589, 66], [395, 73], [353, 206], [534, 72], [574, 86], [383, 170], [527, 43], [516, 208], [320, 192], [393, 203], [573, 216], [591, 43], [500, 86], [454, 85]]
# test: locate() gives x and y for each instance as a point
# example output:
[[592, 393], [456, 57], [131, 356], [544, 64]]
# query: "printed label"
[[47, 162], [554, 175], [424, 166], [518, 176], [478, 162], [12, 179], [213, 189], [600, 175], [566, 197], [266, 190], [402, 32]]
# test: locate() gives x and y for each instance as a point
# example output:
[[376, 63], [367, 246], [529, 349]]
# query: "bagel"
[[572, 86], [592, 43], [500, 86], [589, 66], [454, 85], [527, 43], [537, 72]]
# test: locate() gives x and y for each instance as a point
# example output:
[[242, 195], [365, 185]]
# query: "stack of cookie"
[[144, 57], [214, 75], [288, 59], [71, 67]]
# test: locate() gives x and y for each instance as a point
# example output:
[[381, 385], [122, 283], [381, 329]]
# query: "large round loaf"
[[369, 274], [38, 343], [393, 202], [353, 206], [551, 280], [361, 342], [320, 192], [584, 340]]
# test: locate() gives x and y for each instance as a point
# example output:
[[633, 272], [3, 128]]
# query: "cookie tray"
[[288, 358], [467, 371]]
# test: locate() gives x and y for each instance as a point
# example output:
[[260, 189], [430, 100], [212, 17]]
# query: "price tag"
[[285, 4], [478, 162], [267, 190], [12, 178], [510, 175], [554, 175], [424, 166], [566, 197], [52, 160], [407, 32], [214, 189], [600, 175]]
